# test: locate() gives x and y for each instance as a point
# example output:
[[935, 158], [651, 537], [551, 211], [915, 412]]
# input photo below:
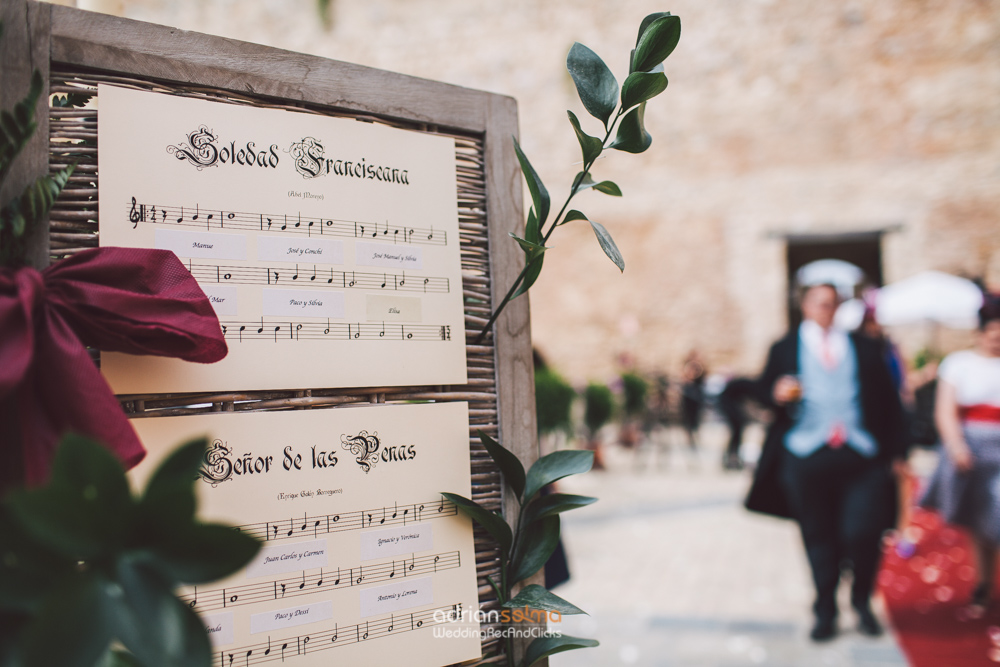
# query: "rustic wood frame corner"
[[74, 50]]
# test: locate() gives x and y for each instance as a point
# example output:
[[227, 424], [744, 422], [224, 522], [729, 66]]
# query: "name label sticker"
[[222, 297], [316, 251], [201, 245], [394, 597], [288, 558], [303, 303], [397, 540], [219, 627], [388, 256], [280, 619]]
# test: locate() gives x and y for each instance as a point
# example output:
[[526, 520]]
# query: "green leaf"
[[590, 146], [169, 495], [608, 188], [646, 21], [553, 467], [642, 86], [539, 195], [27, 569], [572, 215], [596, 85], [534, 270], [632, 136], [201, 553], [658, 40], [153, 624], [535, 544], [84, 510], [74, 627], [118, 658], [608, 245], [530, 249], [491, 521], [554, 503], [71, 100], [543, 647], [537, 597], [508, 463], [16, 128], [35, 202]]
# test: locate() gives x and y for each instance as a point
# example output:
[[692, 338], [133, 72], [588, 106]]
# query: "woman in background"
[[966, 485], [692, 396]]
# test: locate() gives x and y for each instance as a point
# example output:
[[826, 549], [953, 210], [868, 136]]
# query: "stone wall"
[[782, 116]]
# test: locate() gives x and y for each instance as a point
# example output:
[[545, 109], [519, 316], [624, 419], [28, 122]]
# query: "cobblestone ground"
[[674, 572]]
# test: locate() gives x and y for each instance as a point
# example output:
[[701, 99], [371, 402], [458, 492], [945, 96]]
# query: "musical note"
[[305, 642], [334, 638], [436, 559], [283, 647], [194, 602], [303, 584], [361, 574], [268, 651], [320, 582], [393, 573], [181, 218], [134, 216], [296, 276], [383, 517], [290, 528], [196, 211], [392, 623], [365, 636], [242, 329], [337, 582], [383, 281]]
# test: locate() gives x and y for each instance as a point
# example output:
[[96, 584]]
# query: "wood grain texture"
[[514, 365], [150, 51], [24, 47]]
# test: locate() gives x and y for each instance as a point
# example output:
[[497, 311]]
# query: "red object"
[[980, 413], [928, 573], [838, 436], [129, 300]]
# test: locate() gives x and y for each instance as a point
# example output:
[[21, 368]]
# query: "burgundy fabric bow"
[[130, 300]]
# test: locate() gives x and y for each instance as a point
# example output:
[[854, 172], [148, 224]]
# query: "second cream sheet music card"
[[363, 562], [328, 246]]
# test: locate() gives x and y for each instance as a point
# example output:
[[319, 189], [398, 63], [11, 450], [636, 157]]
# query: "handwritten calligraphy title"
[[221, 465]]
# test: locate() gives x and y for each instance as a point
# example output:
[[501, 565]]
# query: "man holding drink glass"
[[827, 459]]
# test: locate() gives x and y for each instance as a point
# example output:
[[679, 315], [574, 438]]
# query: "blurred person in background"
[[693, 375], [965, 488], [731, 406], [827, 458]]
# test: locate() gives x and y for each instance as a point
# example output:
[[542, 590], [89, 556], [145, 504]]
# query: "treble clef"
[[133, 215]]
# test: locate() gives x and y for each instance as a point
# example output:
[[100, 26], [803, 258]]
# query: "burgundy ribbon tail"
[[131, 300]]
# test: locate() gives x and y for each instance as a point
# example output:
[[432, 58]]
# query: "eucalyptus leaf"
[[536, 543], [488, 519], [553, 467], [169, 495], [646, 21], [608, 188], [595, 84], [554, 503], [632, 136], [153, 624], [591, 147], [200, 553], [608, 245], [642, 86], [509, 464], [74, 627], [534, 269], [543, 647], [658, 40], [536, 597], [84, 510], [539, 195]]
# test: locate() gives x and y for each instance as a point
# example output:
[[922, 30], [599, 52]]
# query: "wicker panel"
[[74, 227]]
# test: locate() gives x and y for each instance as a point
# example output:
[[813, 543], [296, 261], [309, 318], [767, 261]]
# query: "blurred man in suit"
[[828, 455]]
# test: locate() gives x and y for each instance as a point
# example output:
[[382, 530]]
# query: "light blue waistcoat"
[[829, 397]]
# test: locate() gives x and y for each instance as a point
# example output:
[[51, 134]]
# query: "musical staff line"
[[326, 579], [288, 647], [302, 275], [284, 330], [314, 526], [295, 223]]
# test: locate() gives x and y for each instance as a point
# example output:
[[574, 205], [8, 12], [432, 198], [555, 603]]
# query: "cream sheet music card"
[[363, 561], [329, 247]]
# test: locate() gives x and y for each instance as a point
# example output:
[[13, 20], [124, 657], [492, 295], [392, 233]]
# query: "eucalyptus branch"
[[623, 110]]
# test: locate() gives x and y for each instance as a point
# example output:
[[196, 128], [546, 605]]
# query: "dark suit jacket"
[[881, 413]]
